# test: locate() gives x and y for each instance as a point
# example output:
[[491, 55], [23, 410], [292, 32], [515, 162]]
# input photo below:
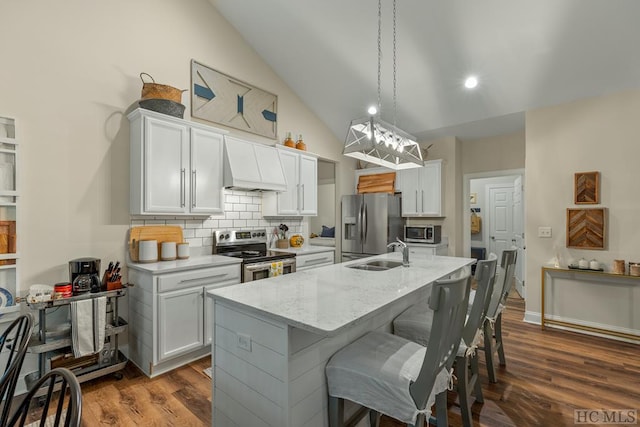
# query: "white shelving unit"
[[9, 196]]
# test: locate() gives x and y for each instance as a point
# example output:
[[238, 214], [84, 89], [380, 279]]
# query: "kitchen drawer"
[[306, 261], [222, 276]]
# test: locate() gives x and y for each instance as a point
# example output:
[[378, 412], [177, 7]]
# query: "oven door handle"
[[263, 265]]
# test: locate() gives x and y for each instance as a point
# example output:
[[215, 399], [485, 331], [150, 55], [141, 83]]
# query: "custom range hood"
[[251, 166]]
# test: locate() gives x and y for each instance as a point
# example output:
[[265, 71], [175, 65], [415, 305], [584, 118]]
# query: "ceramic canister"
[[168, 251], [183, 250], [148, 251]]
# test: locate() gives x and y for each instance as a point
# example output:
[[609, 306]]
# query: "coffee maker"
[[84, 274]]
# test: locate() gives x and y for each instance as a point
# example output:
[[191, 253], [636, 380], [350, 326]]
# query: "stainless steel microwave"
[[423, 233]]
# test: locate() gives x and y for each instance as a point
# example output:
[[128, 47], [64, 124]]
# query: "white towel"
[[87, 325]]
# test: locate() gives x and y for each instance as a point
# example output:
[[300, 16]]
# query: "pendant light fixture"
[[375, 141]]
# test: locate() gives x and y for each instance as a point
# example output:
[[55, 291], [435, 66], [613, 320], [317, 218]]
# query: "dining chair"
[[60, 387], [493, 324], [397, 377], [416, 324], [13, 347]]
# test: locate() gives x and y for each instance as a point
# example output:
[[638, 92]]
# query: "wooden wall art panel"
[[222, 99], [586, 228], [587, 188], [377, 183]]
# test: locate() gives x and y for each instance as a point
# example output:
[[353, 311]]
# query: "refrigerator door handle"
[[360, 220], [366, 224]]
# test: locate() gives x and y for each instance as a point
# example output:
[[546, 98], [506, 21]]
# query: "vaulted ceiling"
[[526, 54]]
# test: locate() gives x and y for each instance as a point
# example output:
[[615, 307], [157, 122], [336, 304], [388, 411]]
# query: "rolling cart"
[[56, 350]]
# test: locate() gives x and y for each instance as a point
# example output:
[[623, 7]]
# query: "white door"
[[408, 183], [430, 193], [308, 203], [288, 200], [180, 322], [206, 172], [500, 219], [518, 233], [165, 162]]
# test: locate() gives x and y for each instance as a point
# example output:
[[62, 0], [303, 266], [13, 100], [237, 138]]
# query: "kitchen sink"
[[377, 265]]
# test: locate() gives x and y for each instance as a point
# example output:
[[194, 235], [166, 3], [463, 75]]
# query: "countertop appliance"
[[251, 246], [423, 233], [369, 223], [84, 274]]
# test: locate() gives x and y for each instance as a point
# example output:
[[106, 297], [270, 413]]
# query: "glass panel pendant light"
[[375, 141]]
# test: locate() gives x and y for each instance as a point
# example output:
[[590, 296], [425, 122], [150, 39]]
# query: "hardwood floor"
[[548, 375]]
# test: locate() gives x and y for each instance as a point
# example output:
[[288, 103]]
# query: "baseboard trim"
[[584, 327]]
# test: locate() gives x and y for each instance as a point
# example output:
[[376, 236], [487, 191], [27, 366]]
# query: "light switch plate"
[[544, 231], [244, 341]]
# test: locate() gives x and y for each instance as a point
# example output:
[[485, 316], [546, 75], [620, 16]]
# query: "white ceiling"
[[526, 53]]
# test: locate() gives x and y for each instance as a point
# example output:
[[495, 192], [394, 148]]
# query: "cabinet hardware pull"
[[422, 191], [207, 279], [315, 261], [302, 196], [193, 188], [182, 187], [416, 200]]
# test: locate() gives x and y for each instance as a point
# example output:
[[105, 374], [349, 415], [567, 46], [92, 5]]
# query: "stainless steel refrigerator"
[[369, 223]]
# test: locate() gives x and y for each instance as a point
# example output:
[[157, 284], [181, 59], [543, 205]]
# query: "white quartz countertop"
[[305, 250], [191, 263], [326, 300]]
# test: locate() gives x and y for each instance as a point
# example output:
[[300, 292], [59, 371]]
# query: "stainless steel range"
[[251, 246]]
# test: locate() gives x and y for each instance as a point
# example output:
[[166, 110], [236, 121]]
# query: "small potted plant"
[[282, 242]]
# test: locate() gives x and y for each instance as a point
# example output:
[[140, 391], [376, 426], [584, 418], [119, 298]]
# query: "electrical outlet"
[[244, 342], [544, 231]]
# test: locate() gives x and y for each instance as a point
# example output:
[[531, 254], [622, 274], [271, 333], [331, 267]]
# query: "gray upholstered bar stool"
[[397, 377], [416, 323], [493, 324]]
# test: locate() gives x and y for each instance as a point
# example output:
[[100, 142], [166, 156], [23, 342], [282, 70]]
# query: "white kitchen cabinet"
[[169, 320], [421, 190], [181, 319], [301, 196], [308, 261], [421, 250], [176, 166]]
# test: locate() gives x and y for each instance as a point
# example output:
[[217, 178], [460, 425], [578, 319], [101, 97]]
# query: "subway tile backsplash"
[[242, 209]]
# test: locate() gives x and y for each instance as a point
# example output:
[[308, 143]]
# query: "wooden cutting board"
[[161, 233]]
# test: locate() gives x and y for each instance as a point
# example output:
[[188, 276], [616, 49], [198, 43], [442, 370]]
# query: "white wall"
[[503, 152], [326, 215], [598, 134], [70, 72]]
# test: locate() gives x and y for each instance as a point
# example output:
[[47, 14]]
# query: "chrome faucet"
[[405, 250]]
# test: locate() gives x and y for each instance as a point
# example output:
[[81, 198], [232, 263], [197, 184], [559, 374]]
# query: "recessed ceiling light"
[[372, 110], [471, 82]]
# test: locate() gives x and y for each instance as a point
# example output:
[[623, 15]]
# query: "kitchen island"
[[273, 337]]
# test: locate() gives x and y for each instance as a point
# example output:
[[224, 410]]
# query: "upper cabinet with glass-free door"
[[421, 190], [301, 196], [176, 166]]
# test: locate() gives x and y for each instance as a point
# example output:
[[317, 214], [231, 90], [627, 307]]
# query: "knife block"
[[282, 244]]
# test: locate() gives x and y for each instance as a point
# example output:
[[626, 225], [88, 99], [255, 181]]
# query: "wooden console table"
[[589, 275]]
